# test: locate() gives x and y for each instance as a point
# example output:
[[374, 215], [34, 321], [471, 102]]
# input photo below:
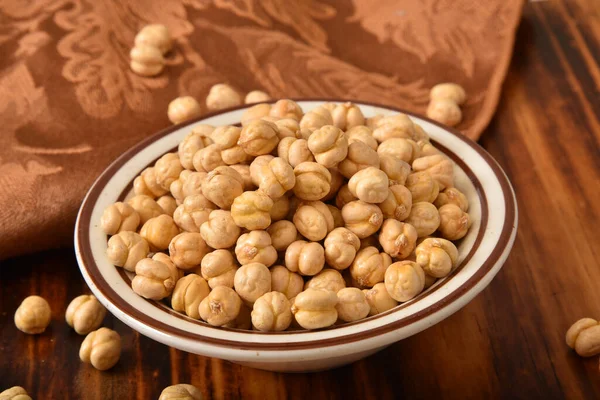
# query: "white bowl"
[[493, 210]]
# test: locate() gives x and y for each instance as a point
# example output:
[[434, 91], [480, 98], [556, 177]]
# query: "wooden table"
[[507, 343]]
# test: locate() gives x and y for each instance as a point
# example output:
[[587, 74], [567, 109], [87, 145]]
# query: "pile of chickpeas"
[[293, 220]]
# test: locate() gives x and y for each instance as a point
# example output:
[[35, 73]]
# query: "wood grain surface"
[[507, 343]]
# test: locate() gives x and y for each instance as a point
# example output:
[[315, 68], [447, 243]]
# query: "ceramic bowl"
[[493, 210]]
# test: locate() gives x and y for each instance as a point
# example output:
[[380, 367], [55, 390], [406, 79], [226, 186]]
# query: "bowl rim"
[[90, 269]]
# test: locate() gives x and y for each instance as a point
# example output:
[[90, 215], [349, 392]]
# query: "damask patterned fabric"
[[69, 104]]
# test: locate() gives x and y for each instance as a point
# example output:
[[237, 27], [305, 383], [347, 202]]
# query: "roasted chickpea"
[[281, 208], [283, 233], [396, 169], [197, 139], [369, 185], [220, 231], [218, 268], [251, 210], [221, 306], [289, 127], [226, 137], [448, 91], [341, 246], [85, 314], [454, 222], [427, 149], [315, 308], [306, 258], [119, 217], [422, 187], [256, 96], [294, 151], [360, 156], [437, 257], [328, 279], [584, 337], [329, 145], [439, 167], [154, 35], [362, 218], [180, 392], [194, 211], [425, 218], [155, 277], [352, 304], [344, 196], [222, 185], [222, 96], [33, 315], [146, 60], [255, 247], [286, 109], [188, 293], [397, 238], [452, 196], [244, 171], [363, 134], [369, 266], [395, 126], [168, 204], [313, 220], [187, 250], [159, 231], [316, 119], [255, 112], [167, 169], [347, 116], [101, 348], [272, 312], [189, 183], [14, 393], [405, 149], [313, 181], [276, 178], [379, 299], [398, 203], [146, 183], [259, 137], [252, 281], [257, 164], [446, 112], [126, 248], [208, 158], [286, 282], [404, 280], [183, 109]]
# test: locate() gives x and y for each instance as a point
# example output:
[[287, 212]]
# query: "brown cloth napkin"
[[69, 103]]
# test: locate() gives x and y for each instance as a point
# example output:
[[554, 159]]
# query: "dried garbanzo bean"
[[422, 186], [379, 299], [316, 119], [180, 392], [226, 137], [369, 185], [257, 164], [155, 277], [194, 211], [187, 250], [259, 137], [363, 134], [220, 231], [352, 304], [341, 246], [146, 60], [154, 35], [188, 293], [119, 217], [336, 213], [221, 306], [313, 220], [286, 109], [101, 348], [275, 178], [255, 247], [584, 337], [446, 112], [364, 219], [167, 169], [280, 209], [197, 139], [369, 266], [347, 116], [289, 127], [222, 96], [283, 233], [168, 204], [398, 203], [404, 280], [395, 126], [256, 96], [286, 282], [329, 145], [452, 196], [33, 315], [313, 181], [454, 222], [315, 308], [437, 256], [14, 393], [222, 185], [85, 314], [448, 91], [439, 167], [396, 169], [183, 109], [208, 158], [159, 231], [328, 279], [272, 312], [294, 151], [252, 281], [218, 268], [126, 248], [306, 258], [255, 112], [397, 238], [405, 149], [344, 196], [251, 210], [189, 183], [244, 171], [147, 184], [424, 217], [360, 156]]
